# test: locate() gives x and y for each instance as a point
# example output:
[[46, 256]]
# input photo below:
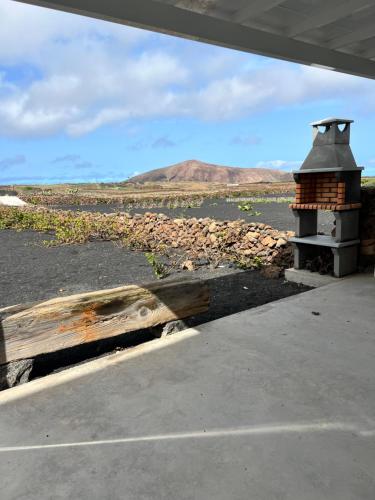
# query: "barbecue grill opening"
[[319, 260]]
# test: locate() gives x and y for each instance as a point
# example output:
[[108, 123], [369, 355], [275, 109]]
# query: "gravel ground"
[[277, 215]]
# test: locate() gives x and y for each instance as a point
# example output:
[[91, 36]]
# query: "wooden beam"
[[255, 8], [333, 11], [26, 332]]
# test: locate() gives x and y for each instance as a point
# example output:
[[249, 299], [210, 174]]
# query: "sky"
[[84, 100]]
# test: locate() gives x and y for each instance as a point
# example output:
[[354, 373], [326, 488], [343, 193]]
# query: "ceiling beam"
[[165, 18], [363, 33], [368, 53], [331, 12], [255, 8]]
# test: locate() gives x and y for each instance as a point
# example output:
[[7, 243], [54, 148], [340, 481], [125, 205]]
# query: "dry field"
[[97, 193]]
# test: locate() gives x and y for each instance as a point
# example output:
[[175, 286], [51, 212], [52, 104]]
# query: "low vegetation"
[[159, 269], [248, 207], [271, 199], [368, 181]]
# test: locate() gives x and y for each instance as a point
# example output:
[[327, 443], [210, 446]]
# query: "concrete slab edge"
[[308, 278], [89, 367]]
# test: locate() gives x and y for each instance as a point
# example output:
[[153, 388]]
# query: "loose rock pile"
[[212, 239]]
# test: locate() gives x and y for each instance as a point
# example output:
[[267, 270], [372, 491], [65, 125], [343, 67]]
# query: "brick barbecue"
[[329, 179], [322, 192]]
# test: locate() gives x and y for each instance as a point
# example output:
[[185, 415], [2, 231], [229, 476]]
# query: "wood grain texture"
[[32, 329]]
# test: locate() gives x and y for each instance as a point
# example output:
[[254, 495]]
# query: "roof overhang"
[[336, 35]]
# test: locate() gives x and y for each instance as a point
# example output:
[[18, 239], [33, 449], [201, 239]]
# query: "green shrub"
[[159, 269], [247, 207]]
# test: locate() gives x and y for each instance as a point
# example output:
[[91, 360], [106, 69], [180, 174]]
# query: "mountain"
[[198, 171]]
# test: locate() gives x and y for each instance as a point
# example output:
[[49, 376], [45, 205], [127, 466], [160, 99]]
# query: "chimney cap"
[[328, 121]]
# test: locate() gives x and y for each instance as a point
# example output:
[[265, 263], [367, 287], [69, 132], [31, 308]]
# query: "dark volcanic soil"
[[31, 271], [277, 215]]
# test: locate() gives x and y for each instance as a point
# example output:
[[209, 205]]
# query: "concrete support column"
[[345, 260], [347, 225]]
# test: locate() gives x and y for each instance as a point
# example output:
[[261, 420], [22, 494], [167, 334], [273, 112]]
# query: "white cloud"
[[246, 140], [66, 159], [163, 142], [90, 73], [26, 30], [280, 164], [11, 162]]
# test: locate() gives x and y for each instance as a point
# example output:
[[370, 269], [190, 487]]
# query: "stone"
[[252, 234], [202, 262], [272, 272], [281, 242], [212, 227], [174, 327], [268, 242], [15, 373], [188, 264]]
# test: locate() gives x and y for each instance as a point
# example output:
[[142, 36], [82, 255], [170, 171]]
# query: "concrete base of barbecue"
[[308, 278], [345, 253]]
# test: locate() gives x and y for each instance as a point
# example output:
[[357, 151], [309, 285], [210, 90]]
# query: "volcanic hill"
[[198, 171]]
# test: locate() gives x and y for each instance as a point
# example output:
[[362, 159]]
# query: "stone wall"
[[215, 240]]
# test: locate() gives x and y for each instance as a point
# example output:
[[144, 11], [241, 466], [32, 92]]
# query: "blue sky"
[[87, 100]]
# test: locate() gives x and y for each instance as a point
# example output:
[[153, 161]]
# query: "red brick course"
[[324, 206], [321, 191]]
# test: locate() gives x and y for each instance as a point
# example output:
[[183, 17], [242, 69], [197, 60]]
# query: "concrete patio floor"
[[277, 402]]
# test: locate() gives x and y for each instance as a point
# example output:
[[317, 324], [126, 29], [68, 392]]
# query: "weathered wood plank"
[[26, 331]]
